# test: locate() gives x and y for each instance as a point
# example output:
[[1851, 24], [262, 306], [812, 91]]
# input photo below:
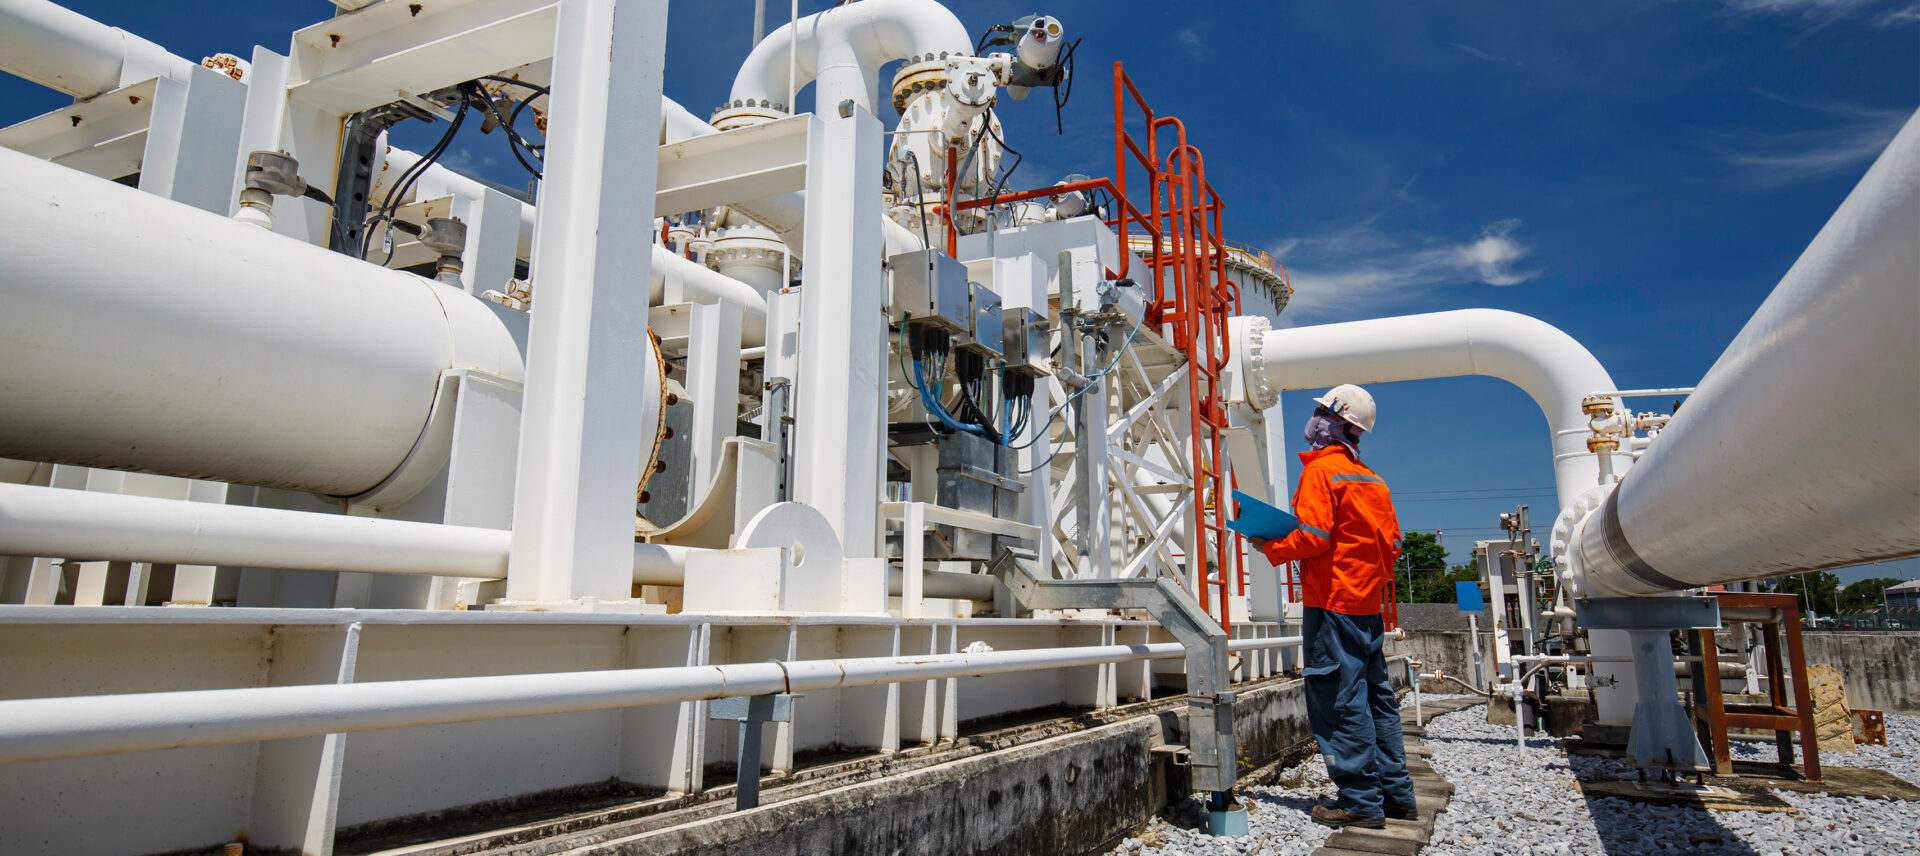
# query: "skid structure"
[[382, 433]]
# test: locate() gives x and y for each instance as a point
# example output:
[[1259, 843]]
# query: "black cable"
[[516, 142], [920, 200], [1064, 89], [390, 203], [1017, 157]]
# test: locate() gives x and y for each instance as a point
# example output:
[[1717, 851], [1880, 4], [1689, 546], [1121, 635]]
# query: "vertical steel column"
[[838, 444], [713, 379], [588, 404]]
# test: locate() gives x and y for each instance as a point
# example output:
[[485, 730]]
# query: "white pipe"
[[842, 49], [144, 334], [1797, 451], [705, 285], [59, 48], [437, 181], [51, 728], [1526, 352], [98, 526]]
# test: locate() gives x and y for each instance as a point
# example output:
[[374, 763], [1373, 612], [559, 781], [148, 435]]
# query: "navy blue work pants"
[[1354, 715]]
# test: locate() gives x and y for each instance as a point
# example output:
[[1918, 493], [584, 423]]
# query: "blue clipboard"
[[1258, 520]]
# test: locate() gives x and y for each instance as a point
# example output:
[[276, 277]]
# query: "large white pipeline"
[[61, 49], [1798, 450], [842, 49], [1547, 364], [144, 334], [99, 526]]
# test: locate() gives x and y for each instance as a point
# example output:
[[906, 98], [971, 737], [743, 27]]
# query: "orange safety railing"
[[1190, 299]]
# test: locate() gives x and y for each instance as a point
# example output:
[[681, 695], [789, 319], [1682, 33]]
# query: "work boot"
[[1402, 812], [1339, 818]]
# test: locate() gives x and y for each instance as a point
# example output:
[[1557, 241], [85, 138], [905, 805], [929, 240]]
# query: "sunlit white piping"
[[842, 49]]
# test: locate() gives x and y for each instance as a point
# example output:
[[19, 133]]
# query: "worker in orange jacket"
[[1347, 543]]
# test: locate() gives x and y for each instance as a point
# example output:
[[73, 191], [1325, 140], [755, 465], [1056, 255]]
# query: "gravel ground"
[[1277, 820], [1503, 806]]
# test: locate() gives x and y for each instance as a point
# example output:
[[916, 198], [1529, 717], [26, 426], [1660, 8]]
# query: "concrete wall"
[[1077, 793], [1447, 651], [1882, 669]]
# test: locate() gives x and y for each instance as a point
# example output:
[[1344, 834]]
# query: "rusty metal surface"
[[1869, 727]]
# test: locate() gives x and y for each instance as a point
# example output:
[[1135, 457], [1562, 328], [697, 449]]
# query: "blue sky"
[[1638, 173]]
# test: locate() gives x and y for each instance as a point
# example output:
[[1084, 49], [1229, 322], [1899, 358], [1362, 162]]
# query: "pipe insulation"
[[61, 49], [143, 334], [1797, 451], [841, 51], [1547, 364], [49, 728], [82, 525]]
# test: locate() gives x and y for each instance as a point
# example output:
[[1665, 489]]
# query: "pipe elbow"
[[868, 34], [1550, 365]]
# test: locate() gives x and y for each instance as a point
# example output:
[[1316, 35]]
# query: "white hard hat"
[[1351, 403]]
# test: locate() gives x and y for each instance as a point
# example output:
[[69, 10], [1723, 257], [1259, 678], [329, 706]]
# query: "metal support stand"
[[1775, 614], [751, 712], [1662, 734], [1210, 736]]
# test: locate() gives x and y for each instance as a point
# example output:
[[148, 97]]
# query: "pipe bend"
[[1555, 370], [865, 35]]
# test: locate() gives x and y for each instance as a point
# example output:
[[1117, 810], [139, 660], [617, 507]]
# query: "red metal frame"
[[1183, 221]]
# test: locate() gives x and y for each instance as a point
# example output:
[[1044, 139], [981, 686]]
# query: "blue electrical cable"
[[940, 412]]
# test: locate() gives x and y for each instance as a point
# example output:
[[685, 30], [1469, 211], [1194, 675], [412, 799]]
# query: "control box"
[[984, 332], [930, 288], [1024, 333]]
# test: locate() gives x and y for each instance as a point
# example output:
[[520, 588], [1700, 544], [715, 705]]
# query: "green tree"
[[1424, 575], [1864, 596], [1819, 591]]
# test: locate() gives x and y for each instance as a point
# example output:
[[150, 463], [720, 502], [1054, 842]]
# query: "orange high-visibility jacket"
[[1348, 538]]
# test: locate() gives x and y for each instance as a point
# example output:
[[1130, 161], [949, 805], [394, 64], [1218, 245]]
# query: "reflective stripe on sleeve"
[[1355, 477], [1316, 531]]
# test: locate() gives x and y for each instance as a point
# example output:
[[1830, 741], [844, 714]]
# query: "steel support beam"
[[591, 397], [838, 441]]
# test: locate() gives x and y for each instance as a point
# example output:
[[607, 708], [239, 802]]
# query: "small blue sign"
[[1467, 596]]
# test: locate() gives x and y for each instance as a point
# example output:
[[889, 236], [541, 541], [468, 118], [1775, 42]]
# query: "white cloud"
[[1899, 16], [1823, 12], [1193, 43], [1478, 53], [1361, 269], [1853, 135]]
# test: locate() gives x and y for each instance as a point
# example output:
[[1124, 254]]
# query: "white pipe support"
[[592, 407], [52, 728], [1796, 452], [842, 49], [61, 49], [225, 351], [100, 526], [786, 213], [437, 181], [1549, 365], [702, 284]]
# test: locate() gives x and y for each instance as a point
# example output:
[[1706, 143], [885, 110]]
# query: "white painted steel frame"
[[591, 397]]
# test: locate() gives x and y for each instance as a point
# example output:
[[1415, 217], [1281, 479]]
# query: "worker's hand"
[[1258, 544]]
